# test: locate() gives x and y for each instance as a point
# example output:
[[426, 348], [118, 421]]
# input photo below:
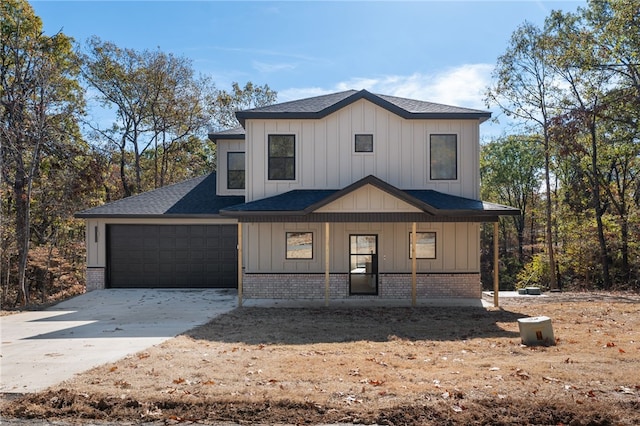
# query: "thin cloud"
[[273, 67], [460, 86]]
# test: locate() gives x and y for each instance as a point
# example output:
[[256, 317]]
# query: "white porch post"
[[239, 264], [326, 263], [496, 265], [414, 264]]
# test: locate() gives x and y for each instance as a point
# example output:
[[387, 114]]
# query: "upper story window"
[[235, 170], [443, 155], [282, 157], [364, 143]]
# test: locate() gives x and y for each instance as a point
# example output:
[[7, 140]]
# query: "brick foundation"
[[390, 286], [95, 279]]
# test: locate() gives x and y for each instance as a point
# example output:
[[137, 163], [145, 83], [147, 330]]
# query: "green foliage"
[[535, 273], [225, 104], [578, 81]]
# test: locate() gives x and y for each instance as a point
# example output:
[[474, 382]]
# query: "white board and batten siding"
[[326, 159], [223, 147]]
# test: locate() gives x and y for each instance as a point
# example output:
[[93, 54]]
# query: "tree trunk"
[[553, 283], [597, 203], [22, 231]]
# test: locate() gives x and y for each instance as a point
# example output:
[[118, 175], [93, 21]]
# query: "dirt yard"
[[394, 366]]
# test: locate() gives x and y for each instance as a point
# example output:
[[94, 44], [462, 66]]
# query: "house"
[[346, 195]]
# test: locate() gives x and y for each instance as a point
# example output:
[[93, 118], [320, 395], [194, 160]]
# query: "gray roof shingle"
[[321, 106], [303, 202], [190, 198]]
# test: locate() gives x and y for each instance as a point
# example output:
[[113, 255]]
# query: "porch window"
[[364, 143], [299, 245], [282, 157], [425, 245], [443, 157], [235, 170]]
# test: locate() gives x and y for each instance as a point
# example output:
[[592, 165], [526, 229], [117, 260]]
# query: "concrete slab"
[[40, 349]]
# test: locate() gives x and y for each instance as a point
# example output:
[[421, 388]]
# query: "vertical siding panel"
[[393, 139], [474, 247], [320, 159], [307, 153], [332, 152], [462, 246], [449, 246], [344, 137], [266, 246]]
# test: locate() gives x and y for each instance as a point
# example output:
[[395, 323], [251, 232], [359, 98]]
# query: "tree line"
[[58, 158], [570, 162], [572, 167]]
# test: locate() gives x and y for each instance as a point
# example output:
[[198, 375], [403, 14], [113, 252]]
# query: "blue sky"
[[439, 51]]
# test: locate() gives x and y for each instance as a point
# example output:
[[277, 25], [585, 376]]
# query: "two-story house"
[[346, 195]]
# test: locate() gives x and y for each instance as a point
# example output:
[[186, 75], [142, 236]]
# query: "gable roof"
[[301, 205], [190, 198], [321, 106]]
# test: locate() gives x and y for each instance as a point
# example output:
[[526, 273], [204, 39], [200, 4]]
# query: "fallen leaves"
[[522, 374]]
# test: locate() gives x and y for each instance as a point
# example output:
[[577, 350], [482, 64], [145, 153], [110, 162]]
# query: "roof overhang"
[[306, 206], [379, 100]]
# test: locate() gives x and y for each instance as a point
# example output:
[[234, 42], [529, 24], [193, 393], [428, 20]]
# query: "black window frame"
[[355, 143], [229, 170], [435, 244], [433, 159], [287, 234], [286, 161]]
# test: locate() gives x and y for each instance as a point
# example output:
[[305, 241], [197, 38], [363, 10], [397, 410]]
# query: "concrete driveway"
[[43, 348]]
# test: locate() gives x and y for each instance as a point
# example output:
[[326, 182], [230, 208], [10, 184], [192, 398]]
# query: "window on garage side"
[[425, 245], [443, 157], [299, 245], [282, 157], [235, 170]]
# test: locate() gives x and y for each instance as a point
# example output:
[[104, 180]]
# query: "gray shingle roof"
[[304, 202], [235, 133], [321, 106], [190, 198]]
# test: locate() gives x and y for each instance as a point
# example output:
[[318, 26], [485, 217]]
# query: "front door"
[[363, 264]]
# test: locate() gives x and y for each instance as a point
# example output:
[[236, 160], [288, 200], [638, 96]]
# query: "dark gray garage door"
[[171, 256]]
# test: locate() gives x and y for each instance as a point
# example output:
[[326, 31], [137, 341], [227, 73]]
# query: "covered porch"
[[368, 241]]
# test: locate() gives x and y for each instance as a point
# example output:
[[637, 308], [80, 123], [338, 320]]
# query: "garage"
[[172, 256]]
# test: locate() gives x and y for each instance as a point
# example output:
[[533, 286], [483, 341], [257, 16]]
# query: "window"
[[299, 245], [425, 245], [364, 143], [443, 154], [282, 161], [235, 170]]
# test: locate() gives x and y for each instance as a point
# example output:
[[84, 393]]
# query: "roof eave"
[[213, 137], [146, 216]]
